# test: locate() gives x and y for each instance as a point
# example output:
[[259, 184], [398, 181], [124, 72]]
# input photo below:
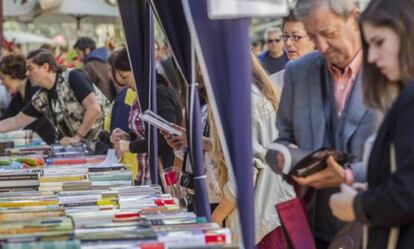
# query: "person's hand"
[[118, 134], [332, 176], [70, 140], [175, 142], [218, 217], [342, 203], [121, 147]]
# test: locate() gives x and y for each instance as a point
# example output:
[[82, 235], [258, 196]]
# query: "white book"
[[159, 122]]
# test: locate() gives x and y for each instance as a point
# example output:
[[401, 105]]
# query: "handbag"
[[295, 224], [354, 235]]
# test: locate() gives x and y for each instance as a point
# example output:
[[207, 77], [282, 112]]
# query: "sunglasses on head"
[[273, 40]]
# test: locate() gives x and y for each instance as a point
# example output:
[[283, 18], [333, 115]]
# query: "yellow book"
[[28, 203], [104, 202], [63, 178]]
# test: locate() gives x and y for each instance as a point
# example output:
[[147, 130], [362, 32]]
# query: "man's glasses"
[[273, 40], [292, 37]]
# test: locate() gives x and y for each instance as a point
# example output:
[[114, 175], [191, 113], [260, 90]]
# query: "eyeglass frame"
[[285, 38]]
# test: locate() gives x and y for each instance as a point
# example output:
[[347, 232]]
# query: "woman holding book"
[[168, 107], [13, 77], [387, 206], [66, 99], [270, 189]]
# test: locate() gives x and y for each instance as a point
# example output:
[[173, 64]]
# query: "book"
[[316, 161], [159, 122]]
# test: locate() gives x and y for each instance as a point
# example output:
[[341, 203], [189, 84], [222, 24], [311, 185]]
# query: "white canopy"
[[26, 38], [90, 11]]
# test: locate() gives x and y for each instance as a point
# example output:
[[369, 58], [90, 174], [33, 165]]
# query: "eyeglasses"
[[273, 40], [285, 38]]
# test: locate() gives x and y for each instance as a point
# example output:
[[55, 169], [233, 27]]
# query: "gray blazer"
[[301, 120]]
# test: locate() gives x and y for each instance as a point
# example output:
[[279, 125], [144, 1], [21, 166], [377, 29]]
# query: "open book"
[[316, 161], [158, 122]]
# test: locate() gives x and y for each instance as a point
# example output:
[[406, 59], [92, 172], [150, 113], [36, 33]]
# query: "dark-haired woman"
[[388, 29], [13, 77], [66, 98], [168, 107]]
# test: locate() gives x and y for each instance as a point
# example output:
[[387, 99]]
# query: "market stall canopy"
[[90, 11], [20, 37]]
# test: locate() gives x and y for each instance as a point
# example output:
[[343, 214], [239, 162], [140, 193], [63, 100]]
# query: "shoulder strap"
[[395, 231]]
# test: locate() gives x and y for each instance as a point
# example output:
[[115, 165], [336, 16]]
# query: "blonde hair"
[[262, 81], [217, 154]]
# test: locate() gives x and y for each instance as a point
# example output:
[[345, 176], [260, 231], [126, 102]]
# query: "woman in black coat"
[[13, 77], [388, 30]]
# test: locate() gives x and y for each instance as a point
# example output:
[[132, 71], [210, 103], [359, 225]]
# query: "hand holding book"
[[323, 168]]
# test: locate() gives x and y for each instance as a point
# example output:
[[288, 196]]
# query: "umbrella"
[[20, 37], [90, 11]]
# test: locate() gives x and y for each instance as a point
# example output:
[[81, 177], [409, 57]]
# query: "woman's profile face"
[[383, 50], [9, 82], [126, 78]]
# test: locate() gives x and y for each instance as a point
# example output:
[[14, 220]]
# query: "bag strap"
[[395, 231]]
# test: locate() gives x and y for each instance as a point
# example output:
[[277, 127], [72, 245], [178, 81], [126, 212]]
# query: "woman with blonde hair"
[[270, 189]]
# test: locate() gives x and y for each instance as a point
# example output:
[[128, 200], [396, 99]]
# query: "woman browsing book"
[[168, 107], [13, 77]]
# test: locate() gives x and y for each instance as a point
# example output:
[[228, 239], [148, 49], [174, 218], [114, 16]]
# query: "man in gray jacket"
[[322, 106]]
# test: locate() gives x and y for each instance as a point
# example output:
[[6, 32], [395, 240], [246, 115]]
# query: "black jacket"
[[389, 201], [41, 126], [169, 108]]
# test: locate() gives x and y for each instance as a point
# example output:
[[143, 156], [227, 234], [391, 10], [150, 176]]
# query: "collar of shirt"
[[344, 80], [350, 71]]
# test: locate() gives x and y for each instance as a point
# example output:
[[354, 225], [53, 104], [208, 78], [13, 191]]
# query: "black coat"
[[41, 126], [389, 202]]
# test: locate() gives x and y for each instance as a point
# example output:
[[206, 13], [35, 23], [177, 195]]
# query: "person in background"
[[168, 107], [165, 66], [5, 99], [257, 47], [66, 98], [13, 77], [297, 44], [274, 58], [270, 189], [95, 64], [388, 31], [322, 106]]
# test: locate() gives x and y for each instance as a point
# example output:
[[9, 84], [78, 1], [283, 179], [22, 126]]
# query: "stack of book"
[[18, 179], [95, 206]]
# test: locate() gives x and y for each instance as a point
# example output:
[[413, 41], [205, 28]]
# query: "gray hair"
[[269, 31], [342, 8]]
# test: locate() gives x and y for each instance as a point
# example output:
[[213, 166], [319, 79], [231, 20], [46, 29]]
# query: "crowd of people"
[[331, 77]]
